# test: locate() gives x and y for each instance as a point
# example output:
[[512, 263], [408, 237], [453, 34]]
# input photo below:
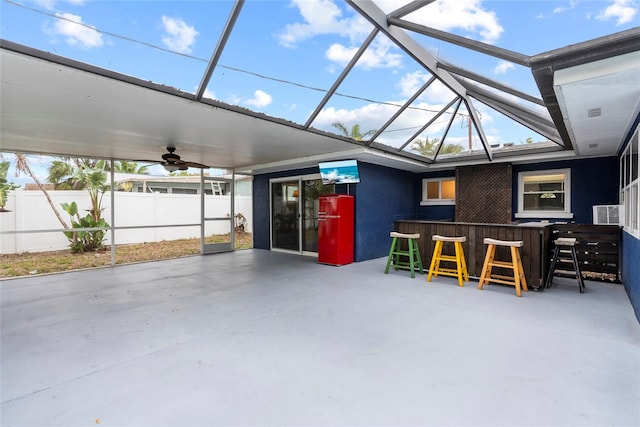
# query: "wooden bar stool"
[[461, 266], [515, 265], [565, 252], [413, 253]]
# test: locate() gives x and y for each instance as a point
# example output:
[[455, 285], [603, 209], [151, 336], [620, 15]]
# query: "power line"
[[238, 70]]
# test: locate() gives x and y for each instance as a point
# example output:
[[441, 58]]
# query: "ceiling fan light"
[[171, 167]]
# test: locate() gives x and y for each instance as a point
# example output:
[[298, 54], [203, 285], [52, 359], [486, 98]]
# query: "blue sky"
[[282, 54]]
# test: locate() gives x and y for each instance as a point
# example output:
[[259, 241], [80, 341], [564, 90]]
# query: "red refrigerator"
[[335, 229]]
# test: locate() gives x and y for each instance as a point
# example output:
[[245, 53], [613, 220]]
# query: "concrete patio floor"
[[266, 338]]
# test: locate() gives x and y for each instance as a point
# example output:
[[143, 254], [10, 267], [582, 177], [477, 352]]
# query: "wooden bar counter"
[[534, 253]]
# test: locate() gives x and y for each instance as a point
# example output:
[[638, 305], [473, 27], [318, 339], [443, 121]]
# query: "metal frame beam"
[[429, 123], [508, 55], [519, 114], [401, 110], [217, 52], [378, 19], [341, 77], [446, 131], [410, 8], [488, 82]]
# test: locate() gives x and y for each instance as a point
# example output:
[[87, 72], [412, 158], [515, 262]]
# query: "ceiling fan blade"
[[197, 165], [173, 160]]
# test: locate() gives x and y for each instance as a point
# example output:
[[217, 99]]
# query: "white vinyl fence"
[[29, 211]]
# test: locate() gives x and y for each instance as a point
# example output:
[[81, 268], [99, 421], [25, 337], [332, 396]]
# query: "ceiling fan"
[[172, 162]]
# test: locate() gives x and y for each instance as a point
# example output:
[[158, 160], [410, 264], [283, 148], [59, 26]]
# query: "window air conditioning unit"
[[608, 214]]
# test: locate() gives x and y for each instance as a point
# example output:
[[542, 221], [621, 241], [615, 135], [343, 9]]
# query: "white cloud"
[[320, 17], [370, 116], [51, 4], [47, 4], [260, 99], [179, 36], [377, 56], [503, 67], [437, 92], [340, 53], [560, 9], [411, 82], [76, 33], [207, 93], [467, 15], [623, 11]]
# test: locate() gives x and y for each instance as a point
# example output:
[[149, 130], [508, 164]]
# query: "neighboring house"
[[35, 187], [141, 183]]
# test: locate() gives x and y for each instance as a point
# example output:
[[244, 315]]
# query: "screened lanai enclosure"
[[523, 113], [257, 86]]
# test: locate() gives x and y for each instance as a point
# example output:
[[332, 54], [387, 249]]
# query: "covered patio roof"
[[588, 100]]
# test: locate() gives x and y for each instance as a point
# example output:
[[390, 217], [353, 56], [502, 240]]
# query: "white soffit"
[[57, 109], [599, 101]]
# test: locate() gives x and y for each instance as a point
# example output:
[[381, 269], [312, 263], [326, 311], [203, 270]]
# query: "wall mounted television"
[[339, 172]]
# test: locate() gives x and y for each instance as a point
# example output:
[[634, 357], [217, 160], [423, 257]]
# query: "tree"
[[130, 167], [76, 174], [22, 165], [451, 149], [87, 174], [354, 133], [425, 147], [429, 147], [5, 186]]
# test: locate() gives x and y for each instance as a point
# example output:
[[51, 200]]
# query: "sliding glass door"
[[294, 213]]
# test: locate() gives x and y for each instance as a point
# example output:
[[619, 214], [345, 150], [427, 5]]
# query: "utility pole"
[[470, 132]]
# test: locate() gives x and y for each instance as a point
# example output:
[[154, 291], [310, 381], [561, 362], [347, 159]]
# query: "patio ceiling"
[[589, 98]]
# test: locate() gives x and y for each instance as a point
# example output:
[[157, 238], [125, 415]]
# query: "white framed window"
[[179, 190], [438, 191], [544, 194], [630, 185]]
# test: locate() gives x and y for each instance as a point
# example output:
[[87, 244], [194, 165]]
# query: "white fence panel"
[[29, 211]]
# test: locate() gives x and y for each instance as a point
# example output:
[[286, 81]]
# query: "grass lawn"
[[29, 264]]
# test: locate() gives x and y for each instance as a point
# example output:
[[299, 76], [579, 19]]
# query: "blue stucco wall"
[[593, 182], [382, 196], [631, 270], [385, 195], [261, 211]]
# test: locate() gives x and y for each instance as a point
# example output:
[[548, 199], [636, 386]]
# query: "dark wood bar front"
[[534, 253]]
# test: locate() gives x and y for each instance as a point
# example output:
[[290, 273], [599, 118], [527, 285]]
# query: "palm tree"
[[22, 165], [429, 147], [425, 147], [451, 149], [88, 174], [354, 133], [130, 167], [5, 186]]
